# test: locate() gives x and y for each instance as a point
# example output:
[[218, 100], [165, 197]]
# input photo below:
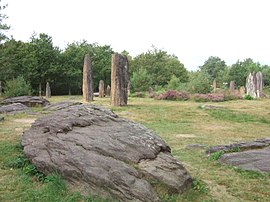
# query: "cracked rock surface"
[[253, 155], [97, 152]]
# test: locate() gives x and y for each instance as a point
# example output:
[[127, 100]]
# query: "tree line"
[[39, 61]]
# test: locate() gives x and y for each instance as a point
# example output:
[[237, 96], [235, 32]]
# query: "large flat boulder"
[[30, 101], [252, 155], [253, 160], [100, 153], [13, 108]]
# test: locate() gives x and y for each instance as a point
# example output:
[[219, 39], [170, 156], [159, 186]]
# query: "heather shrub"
[[210, 97], [173, 95]]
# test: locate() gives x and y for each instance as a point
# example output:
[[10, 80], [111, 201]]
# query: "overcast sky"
[[193, 30]]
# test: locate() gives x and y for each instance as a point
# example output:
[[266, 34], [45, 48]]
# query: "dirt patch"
[[219, 191], [25, 121], [185, 135]]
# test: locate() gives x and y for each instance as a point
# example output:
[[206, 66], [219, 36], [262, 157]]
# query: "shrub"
[[173, 95], [210, 97], [141, 81], [139, 94], [199, 83], [248, 97], [17, 87], [174, 83]]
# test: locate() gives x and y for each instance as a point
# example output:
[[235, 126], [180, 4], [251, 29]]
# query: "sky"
[[193, 30]]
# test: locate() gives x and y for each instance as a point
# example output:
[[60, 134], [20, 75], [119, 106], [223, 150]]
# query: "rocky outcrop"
[[60, 105], [13, 108], [30, 101], [254, 160], [102, 154], [252, 155]]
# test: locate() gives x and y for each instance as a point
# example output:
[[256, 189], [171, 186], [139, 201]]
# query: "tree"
[[3, 27], [199, 82], [240, 70], [160, 66], [140, 81], [213, 66]]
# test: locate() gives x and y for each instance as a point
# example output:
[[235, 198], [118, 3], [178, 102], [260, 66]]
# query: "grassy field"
[[179, 123]]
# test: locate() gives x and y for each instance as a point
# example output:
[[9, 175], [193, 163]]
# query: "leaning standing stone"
[[101, 88], [87, 87], [119, 80]]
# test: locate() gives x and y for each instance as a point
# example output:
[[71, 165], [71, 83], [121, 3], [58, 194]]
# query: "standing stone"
[[214, 86], [251, 85], [101, 88], [242, 91], [119, 80], [108, 91], [48, 90], [0, 88], [232, 87], [87, 87], [259, 86]]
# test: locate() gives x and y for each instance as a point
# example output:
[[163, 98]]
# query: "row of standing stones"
[[119, 81], [254, 86]]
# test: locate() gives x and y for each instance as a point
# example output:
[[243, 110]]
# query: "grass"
[[179, 124]]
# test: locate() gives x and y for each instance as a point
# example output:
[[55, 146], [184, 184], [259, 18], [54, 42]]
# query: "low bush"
[[139, 94], [248, 97], [210, 97], [173, 95], [17, 87]]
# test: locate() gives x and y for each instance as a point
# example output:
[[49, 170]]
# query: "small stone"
[[30, 101], [101, 89]]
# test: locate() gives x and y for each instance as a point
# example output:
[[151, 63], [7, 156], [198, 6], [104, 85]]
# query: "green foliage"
[[248, 97], [3, 27], [160, 66], [174, 83], [199, 185], [240, 70], [266, 75], [213, 66], [216, 155], [141, 81], [199, 82], [17, 87]]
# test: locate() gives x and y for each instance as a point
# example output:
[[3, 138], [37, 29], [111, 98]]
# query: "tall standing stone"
[[232, 87], [0, 88], [119, 80], [214, 86], [101, 88], [108, 91], [48, 90], [87, 87], [251, 85], [259, 84]]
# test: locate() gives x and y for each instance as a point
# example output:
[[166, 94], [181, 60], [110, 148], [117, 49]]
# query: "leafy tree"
[[240, 70], [174, 83], [266, 75], [42, 60], [213, 66], [140, 81], [3, 27], [17, 87], [199, 82], [160, 66]]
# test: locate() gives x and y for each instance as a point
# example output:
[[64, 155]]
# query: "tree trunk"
[[88, 87], [119, 80], [0, 88]]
